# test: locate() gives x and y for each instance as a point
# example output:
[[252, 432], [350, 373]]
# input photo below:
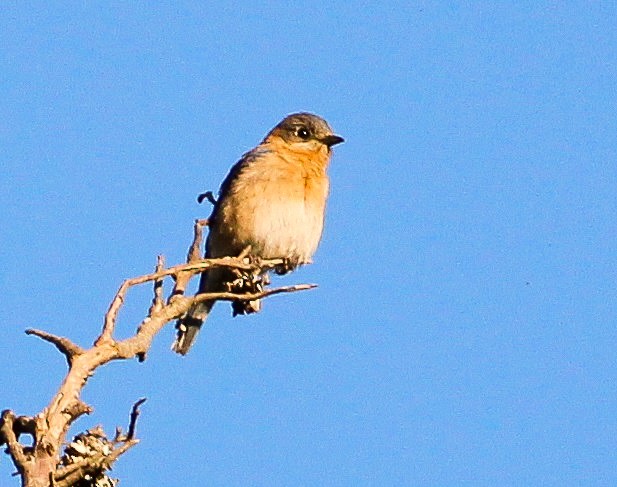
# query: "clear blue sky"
[[463, 331]]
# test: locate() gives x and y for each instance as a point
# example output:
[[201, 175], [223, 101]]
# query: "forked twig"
[[39, 464]]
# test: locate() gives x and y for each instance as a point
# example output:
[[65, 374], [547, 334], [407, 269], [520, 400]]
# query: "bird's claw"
[[208, 195], [287, 266]]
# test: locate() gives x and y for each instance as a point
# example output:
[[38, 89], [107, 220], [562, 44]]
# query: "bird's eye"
[[302, 133]]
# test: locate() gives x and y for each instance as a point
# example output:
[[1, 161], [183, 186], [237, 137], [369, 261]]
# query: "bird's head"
[[304, 132]]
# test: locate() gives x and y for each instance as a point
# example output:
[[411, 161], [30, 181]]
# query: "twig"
[[188, 269], [194, 254], [69, 349], [177, 307], [229, 296], [195, 249], [157, 300], [134, 415], [112, 314], [50, 426]]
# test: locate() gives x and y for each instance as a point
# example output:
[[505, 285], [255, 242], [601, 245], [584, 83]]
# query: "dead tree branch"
[[64, 345], [44, 463], [134, 415]]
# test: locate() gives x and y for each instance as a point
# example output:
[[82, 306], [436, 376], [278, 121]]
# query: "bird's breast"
[[280, 213]]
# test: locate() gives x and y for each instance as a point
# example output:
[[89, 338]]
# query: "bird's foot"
[[289, 264], [248, 282], [208, 195]]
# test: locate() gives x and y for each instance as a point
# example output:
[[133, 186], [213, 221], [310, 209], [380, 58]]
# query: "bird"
[[272, 200]]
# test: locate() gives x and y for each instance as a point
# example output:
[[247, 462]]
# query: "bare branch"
[[112, 314], [195, 249], [42, 460], [158, 301], [229, 296], [66, 346], [134, 415], [77, 409], [21, 425], [8, 436], [194, 254], [181, 272]]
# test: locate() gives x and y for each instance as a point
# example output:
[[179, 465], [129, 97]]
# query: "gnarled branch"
[[66, 346], [42, 464]]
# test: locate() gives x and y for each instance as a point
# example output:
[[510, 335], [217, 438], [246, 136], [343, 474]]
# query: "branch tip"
[[64, 345], [157, 300], [130, 435]]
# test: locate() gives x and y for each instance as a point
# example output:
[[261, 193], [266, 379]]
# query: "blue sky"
[[463, 331]]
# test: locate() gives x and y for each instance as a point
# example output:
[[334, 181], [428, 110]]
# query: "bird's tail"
[[213, 280], [189, 325]]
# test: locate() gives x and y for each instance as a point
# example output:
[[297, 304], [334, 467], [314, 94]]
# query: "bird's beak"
[[331, 140]]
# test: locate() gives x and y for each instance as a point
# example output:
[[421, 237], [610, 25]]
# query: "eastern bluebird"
[[273, 200]]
